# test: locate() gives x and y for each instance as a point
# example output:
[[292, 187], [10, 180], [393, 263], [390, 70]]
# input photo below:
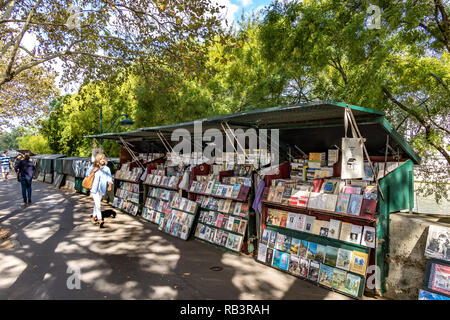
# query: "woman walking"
[[102, 182], [25, 171]]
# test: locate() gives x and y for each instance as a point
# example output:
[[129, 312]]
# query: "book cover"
[[215, 187], [219, 221], [309, 223], [272, 239], [212, 235], [369, 208], [229, 191], [230, 223], [368, 172], [280, 260], [346, 229], [242, 226], [219, 190], [271, 194], [354, 206], [334, 229], [286, 195], [355, 234], [227, 205], [368, 237], [328, 186], [278, 194], [236, 189], [326, 275], [276, 217], [224, 240], [244, 210], [236, 223], [324, 228], [209, 187], [312, 250], [313, 202], [303, 198], [321, 201], [237, 243], [280, 241], [344, 258], [269, 258], [237, 208], [304, 267], [314, 270], [295, 245], [351, 190], [230, 241], [427, 295], [371, 193], [294, 266], [331, 256], [262, 252], [339, 277], [317, 226], [359, 262], [291, 221], [330, 201], [303, 248], [352, 283], [283, 218], [321, 252], [300, 222], [287, 244], [218, 237]]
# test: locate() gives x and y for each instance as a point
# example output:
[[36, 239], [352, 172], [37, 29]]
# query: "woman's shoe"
[[93, 219], [102, 224]]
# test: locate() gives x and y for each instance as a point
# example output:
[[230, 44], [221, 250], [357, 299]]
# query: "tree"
[[326, 50], [8, 140], [97, 37], [35, 143]]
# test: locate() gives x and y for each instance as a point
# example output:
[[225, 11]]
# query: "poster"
[[440, 278], [438, 243], [352, 159]]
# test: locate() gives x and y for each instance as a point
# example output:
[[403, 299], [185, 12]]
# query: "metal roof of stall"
[[305, 117], [48, 156]]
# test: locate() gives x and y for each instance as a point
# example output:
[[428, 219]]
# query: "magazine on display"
[[294, 264], [342, 202], [314, 270], [344, 259], [427, 295], [438, 276], [438, 243], [355, 234], [321, 252], [312, 250], [262, 252], [339, 279], [331, 256], [326, 275], [334, 229], [354, 206], [352, 283], [280, 260], [303, 248], [368, 237], [359, 262], [304, 267]]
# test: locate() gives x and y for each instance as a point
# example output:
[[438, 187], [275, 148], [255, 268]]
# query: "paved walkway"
[[129, 259]]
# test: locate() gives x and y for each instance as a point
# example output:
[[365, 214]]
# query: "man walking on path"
[[5, 161], [25, 170]]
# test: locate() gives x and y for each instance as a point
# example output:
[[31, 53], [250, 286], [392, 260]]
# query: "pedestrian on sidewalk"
[[102, 183], [25, 171], [5, 162], [19, 157]]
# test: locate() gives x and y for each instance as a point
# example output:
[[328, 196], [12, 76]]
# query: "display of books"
[[359, 262]]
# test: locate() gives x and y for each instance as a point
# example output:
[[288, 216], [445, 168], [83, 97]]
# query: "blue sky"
[[235, 7]]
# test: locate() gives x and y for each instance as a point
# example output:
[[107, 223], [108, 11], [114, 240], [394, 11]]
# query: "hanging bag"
[[352, 153], [89, 180]]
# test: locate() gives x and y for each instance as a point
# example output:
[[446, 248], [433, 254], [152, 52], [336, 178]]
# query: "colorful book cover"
[[215, 187], [209, 187], [230, 241], [303, 248], [371, 193], [344, 259], [242, 226], [219, 190], [287, 244], [271, 194], [339, 277], [226, 206], [328, 186], [352, 283], [236, 223], [440, 278], [368, 238], [244, 210], [294, 266], [313, 201], [237, 208], [278, 194], [224, 240], [304, 267], [314, 270], [295, 245], [330, 201], [280, 260], [219, 221], [303, 198], [230, 223], [331, 256], [321, 252], [265, 236], [342, 202], [283, 218], [262, 252], [229, 191], [272, 239], [359, 262], [312, 250], [236, 189], [346, 229], [427, 295], [326, 275], [325, 229]]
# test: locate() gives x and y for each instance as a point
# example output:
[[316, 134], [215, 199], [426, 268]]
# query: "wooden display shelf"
[[161, 186], [126, 180], [319, 211], [318, 238], [218, 228], [229, 214], [242, 197]]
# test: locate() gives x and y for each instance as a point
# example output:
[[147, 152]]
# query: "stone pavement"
[[129, 259]]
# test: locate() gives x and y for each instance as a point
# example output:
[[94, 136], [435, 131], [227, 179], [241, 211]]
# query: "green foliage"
[[8, 140], [35, 143]]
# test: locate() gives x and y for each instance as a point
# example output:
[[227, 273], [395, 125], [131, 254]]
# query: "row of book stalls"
[[65, 172], [298, 203]]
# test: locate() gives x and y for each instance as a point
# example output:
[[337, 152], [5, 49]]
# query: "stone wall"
[[408, 236]]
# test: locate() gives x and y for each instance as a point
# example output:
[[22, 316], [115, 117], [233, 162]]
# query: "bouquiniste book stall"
[[314, 222]]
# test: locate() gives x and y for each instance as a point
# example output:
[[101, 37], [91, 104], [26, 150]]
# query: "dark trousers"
[[26, 187]]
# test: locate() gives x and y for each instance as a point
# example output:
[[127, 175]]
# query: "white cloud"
[[229, 11], [246, 3]]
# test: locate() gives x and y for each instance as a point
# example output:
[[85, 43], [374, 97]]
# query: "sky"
[[234, 7]]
